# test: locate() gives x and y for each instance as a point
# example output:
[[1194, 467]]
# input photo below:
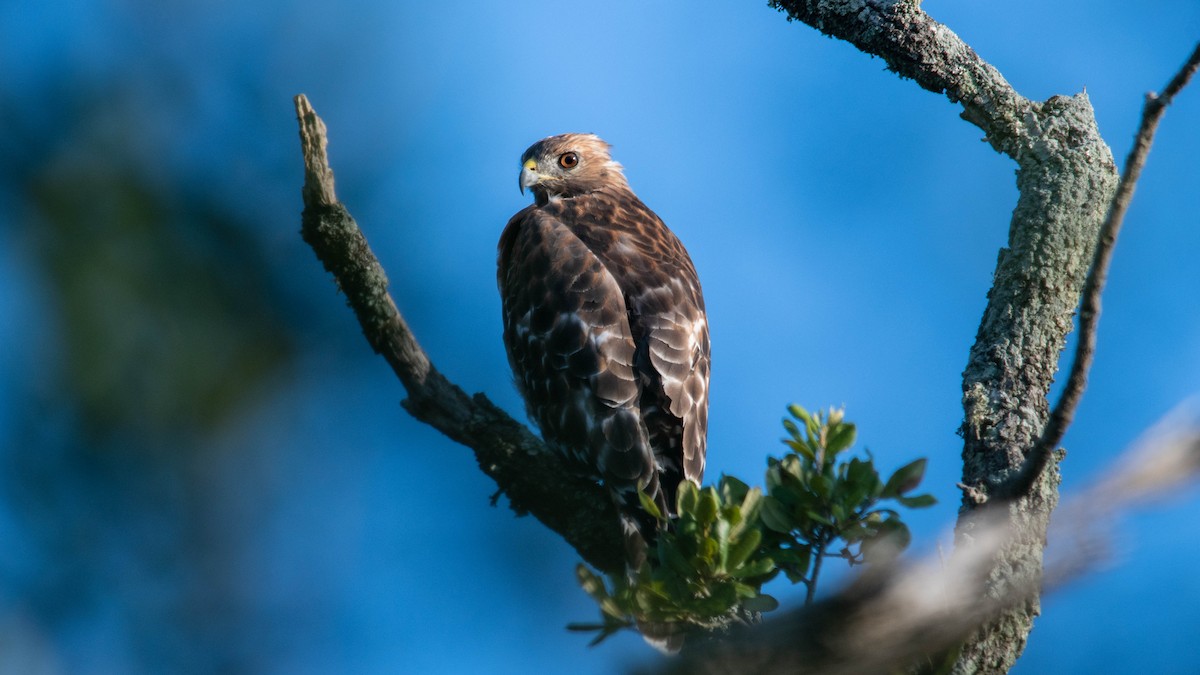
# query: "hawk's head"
[[567, 165]]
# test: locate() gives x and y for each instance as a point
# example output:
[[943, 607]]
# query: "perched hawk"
[[605, 329]]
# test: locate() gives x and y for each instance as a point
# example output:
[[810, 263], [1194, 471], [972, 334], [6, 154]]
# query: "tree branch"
[[1089, 314], [536, 480], [1065, 178], [916, 47]]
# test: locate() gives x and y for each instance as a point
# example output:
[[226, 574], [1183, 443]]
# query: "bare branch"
[[1089, 314], [536, 480]]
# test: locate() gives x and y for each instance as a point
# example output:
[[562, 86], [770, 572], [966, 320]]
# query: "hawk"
[[605, 329]]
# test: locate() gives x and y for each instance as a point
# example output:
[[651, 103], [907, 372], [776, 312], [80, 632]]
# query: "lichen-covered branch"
[[916, 47], [1089, 313], [1066, 178], [535, 480]]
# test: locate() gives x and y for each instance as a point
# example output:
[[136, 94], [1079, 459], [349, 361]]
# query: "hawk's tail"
[[666, 637], [638, 528], [639, 531], [633, 534]]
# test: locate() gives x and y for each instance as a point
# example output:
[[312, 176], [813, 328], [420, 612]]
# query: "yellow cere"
[[531, 164]]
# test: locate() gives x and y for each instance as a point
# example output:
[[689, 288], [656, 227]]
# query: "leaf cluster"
[[816, 499], [709, 563]]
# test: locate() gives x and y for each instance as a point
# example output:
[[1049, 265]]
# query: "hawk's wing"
[[569, 343], [666, 317], [670, 315]]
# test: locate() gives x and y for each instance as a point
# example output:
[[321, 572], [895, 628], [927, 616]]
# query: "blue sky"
[[845, 225]]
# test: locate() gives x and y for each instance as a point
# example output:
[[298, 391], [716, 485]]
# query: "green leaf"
[[841, 437], [861, 482], [675, 560], [795, 575], [687, 497], [592, 584], [799, 413], [821, 485], [751, 506], [758, 568], [892, 538], [856, 532], [802, 449], [649, 593], [650, 507], [774, 475], [837, 512], [741, 550], [743, 591], [793, 429], [822, 519], [706, 509], [751, 502], [918, 502], [861, 471], [721, 530], [731, 515], [774, 515], [813, 426], [733, 490], [905, 479], [800, 559], [793, 467]]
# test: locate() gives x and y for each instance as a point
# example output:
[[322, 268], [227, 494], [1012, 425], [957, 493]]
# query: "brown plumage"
[[605, 328]]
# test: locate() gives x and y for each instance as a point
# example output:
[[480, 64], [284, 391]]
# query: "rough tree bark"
[[1066, 178]]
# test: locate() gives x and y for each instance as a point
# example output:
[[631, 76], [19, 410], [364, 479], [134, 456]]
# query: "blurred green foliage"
[[164, 312], [157, 323]]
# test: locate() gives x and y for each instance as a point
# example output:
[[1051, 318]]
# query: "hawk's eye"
[[568, 160]]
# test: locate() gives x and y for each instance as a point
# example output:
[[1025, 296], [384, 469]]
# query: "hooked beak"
[[529, 175]]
